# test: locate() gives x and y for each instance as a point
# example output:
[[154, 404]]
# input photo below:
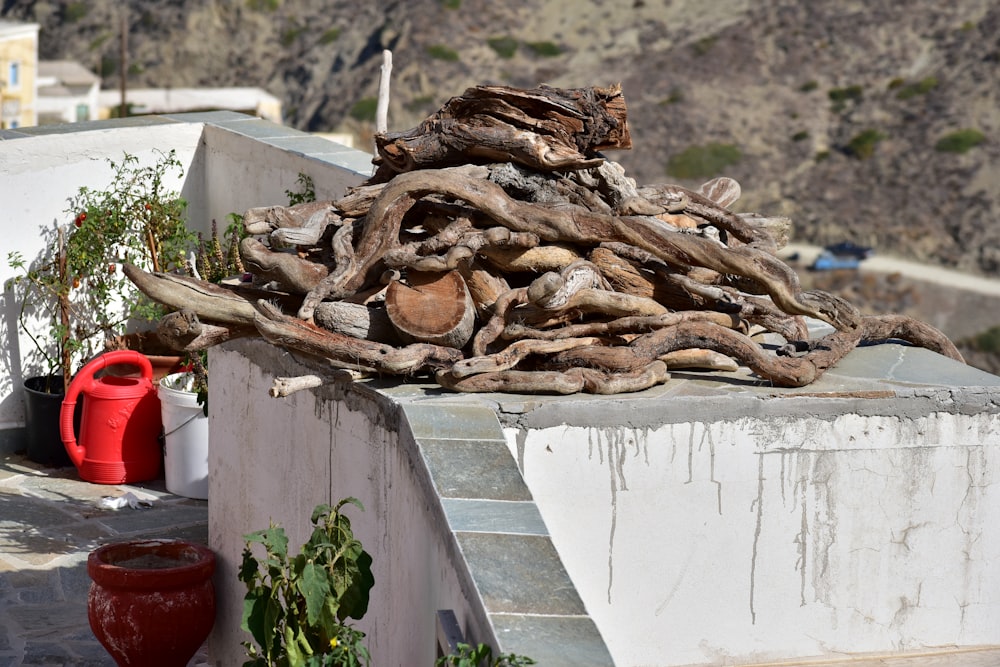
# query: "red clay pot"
[[151, 603]]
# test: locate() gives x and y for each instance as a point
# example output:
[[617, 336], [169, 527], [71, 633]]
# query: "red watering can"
[[120, 428]]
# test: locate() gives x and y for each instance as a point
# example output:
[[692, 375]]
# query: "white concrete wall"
[[276, 459], [749, 540]]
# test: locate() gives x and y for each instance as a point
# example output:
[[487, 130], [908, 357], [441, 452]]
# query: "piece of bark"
[[543, 128], [309, 233], [210, 301], [879, 328], [515, 353], [722, 190], [484, 286], [698, 359], [184, 332], [358, 320], [347, 351], [550, 257], [295, 274], [282, 387], [784, 371], [266, 219], [433, 308], [570, 381], [623, 326]]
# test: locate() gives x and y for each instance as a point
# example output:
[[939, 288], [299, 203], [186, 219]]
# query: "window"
[[14, 75], [82, 112]]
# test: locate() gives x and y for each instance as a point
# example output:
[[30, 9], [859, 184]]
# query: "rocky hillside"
[[875, 121]]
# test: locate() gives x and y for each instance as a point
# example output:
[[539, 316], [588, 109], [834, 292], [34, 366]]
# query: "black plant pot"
[[42, 405]]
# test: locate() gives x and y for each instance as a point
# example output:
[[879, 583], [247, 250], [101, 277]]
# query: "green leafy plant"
[[505, 46], [364, 109], [985, 341], [862, 145], [296, 606], [481, 656], [841, 96], [704, 45], [442, 52], [922, 87], [544, 49], [329, 36], [305, 193], [959, 141], [703, 161], [263, 5], [74, 11]]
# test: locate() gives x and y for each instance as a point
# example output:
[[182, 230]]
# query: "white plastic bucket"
[[185, 430]]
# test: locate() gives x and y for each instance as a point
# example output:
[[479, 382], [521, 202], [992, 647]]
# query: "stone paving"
[[50, 521]]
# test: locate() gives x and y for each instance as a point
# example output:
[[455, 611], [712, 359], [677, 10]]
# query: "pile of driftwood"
[[496, 249]]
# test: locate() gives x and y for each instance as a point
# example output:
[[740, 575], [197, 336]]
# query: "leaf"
[[352, 500], [354, 599], [314, 586], [274, 614], [318, 512], [249, 570], [254, 604], [295, 656], [274, 540]]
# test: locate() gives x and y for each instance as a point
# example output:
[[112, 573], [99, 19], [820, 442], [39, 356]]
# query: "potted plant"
[[137, 219], [296, 606], [75, 302]]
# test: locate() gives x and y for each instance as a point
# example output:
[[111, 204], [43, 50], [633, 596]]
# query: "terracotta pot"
[[151, 603]]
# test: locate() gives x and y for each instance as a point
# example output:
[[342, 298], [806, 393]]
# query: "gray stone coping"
[[529, 597], [280, 136]]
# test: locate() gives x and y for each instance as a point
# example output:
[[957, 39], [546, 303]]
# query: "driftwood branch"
[[496, 249]]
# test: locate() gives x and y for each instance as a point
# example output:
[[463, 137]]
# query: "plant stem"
[[64, 309]]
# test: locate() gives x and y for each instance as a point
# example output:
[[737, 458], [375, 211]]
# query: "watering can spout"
[[120, 428]]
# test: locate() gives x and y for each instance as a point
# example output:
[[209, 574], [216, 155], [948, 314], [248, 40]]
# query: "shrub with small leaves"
[[442, 52], [305, 193], [921, 87], [959, 141], [364, 109], [544, 49], [862, 145], [505, 46], [703, 161], [330, 36]]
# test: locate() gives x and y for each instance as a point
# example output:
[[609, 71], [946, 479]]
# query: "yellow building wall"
[[18, 46]]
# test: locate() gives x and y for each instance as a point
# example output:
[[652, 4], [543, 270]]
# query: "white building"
[[67, 92], [248, 100]]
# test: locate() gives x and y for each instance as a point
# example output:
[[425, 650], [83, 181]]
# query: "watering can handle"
[[83, 380]]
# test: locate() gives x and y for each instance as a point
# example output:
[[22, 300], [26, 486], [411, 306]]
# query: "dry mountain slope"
[[829, 112]]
